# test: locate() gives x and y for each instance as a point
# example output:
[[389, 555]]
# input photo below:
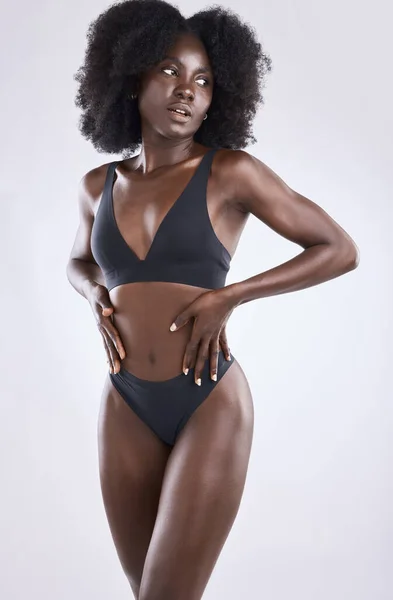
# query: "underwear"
[[185, 248], [165, 406]]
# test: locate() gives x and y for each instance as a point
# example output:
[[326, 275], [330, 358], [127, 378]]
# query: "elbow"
[[356, 258], [68, 269], [349, 255]]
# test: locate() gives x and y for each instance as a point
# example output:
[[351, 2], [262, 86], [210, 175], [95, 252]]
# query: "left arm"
[[328, 250]]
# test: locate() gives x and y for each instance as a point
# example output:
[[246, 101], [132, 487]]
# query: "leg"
[[132, 461], [201, 492]]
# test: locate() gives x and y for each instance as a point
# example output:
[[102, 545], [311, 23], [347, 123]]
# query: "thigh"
[[132, 461], [201, 492]]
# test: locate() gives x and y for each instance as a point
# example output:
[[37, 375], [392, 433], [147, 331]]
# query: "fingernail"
[[199, 381], [172, 327], [214, 377], [229, 357], [185, 371]]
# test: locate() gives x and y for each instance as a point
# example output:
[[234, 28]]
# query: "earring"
[[132, 97], [205, 117]]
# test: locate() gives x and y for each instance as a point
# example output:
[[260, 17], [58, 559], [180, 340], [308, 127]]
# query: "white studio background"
[[315, 520]]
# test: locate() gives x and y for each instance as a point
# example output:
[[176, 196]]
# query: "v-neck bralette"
[[185, 248]]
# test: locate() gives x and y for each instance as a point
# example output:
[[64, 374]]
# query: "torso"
[[144, 311]]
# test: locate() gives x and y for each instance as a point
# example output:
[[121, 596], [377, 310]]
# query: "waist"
[[204, 275], [143, 313]]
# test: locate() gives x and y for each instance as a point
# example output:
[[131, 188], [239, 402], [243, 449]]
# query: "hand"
[[103, 309], [211, 311]]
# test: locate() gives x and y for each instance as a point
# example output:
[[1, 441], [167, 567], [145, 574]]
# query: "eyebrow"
[[199, 69]]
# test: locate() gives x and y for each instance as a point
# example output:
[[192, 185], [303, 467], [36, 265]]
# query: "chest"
[[169, 208]]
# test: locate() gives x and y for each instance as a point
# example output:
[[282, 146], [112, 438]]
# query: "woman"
[[157, 232]]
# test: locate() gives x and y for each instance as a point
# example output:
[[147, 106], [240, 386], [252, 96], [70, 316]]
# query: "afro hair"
[[131, 36]]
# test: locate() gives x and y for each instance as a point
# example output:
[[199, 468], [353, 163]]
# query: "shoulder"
[[90, 187], [238, 163], [232, 159], [236, 172]]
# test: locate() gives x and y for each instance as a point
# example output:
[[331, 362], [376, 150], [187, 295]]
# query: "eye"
[[206, 81], [169, 69]]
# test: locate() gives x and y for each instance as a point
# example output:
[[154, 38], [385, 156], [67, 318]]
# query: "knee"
[[135, 587], [152, 594], [155, 593]]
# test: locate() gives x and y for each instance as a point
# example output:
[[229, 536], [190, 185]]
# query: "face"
[[185, 77]]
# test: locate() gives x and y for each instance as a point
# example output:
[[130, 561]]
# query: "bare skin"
[[171, 510]]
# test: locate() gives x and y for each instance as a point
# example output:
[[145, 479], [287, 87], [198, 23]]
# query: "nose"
[[185, 92]]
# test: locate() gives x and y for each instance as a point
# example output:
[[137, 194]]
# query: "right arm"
[[85, 275]]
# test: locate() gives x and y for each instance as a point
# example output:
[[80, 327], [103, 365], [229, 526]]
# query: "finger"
[[203, 354], [190, 354], [214, 349], [100, 312], [115, 337], [180, 320], [107, 351], [114, 357], [116, 361], [104, 302], [224, 344]]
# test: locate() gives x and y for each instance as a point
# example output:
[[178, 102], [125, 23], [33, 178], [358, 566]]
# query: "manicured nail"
[[172, 327], [229, 357], [214, 377], [199, 381], [185, 371]]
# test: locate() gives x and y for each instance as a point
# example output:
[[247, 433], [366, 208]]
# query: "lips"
[[178, 117], [180, 106]]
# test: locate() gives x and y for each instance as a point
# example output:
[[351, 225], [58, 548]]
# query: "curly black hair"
[[131, 36]]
